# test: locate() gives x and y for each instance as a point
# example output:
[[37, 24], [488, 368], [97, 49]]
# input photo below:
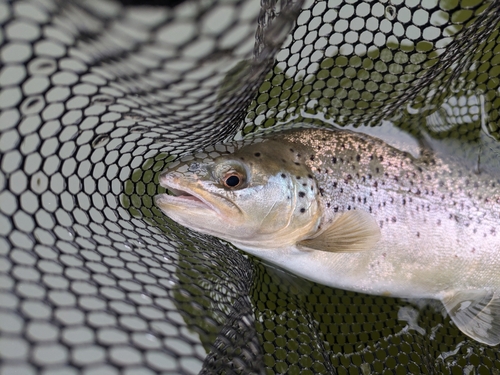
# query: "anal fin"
[[476, 313], [351, 231]]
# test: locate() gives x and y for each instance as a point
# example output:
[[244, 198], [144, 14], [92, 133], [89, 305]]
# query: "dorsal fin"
[[351, 231]]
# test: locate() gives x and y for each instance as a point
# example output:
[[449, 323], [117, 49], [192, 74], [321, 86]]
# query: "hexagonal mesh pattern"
[[98, 97]]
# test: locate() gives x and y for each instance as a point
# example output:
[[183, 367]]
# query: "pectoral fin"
[[351, 231], [476, 313]]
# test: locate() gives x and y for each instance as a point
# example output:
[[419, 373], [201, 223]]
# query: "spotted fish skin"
[[349, 211], [433, 216]]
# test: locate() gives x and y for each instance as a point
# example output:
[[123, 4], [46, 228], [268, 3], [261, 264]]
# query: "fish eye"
[[232, 180]]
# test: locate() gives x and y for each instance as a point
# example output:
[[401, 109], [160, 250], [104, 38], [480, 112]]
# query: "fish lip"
[[177, 189]]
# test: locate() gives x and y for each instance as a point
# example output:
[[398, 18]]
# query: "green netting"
[[98, 97]]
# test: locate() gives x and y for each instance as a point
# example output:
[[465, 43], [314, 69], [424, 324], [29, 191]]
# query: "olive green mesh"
[[97, 97]]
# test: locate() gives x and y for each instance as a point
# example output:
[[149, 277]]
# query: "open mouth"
[[180, 196]]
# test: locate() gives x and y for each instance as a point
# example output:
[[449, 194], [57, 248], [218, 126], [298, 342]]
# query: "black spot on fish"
[[375, 184], [404, 201], [334, 160], [309, 176], [257, 154], [242, 158], [321, 191], [297, 177], [377, 170], [302, 210], [418, 234], [439, 222], [336, 209], [381, 158], [283, 160], [334, 184], [283, 175], [394, 219], [311, 158], [288, 197], [291, 150], [304, 184], [302, 194], [297, 163], [312, 188], [328, 205]]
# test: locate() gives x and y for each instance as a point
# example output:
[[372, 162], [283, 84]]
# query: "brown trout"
[[349, 211]]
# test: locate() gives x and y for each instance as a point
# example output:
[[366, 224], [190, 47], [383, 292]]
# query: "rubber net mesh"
[[98, 97]]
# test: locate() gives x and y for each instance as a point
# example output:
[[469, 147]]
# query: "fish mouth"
[[181, 196]]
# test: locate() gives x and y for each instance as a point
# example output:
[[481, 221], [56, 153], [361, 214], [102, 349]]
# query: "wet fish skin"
[[430, 225]]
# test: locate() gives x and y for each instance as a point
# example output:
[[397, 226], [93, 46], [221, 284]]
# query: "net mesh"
[[98, 97]]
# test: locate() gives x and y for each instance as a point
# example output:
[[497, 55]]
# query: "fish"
[[349, 211]]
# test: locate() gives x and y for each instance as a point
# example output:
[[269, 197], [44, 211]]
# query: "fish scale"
[[349, 211]]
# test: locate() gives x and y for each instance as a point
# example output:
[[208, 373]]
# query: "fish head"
[[255, 197]]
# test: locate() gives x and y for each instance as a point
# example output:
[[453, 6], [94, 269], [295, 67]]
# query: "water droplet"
[[133, 116], [137, 243], [103, 99], [150, 337], [390, 12], [33, 105], [162, 140], [42, 66], [100, 140], [138, 129]]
